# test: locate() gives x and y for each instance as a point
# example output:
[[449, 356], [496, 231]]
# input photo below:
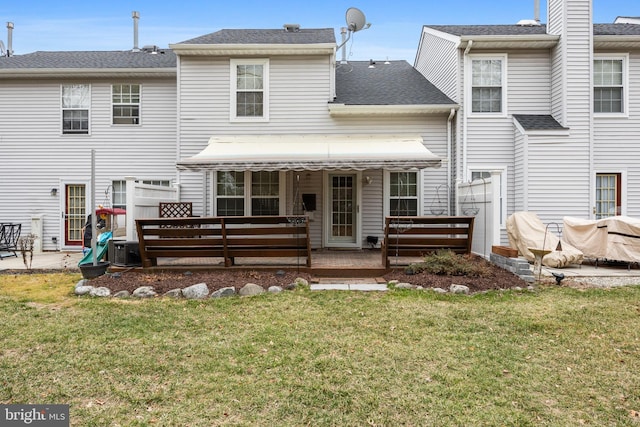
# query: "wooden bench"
[[417, 236], [224, 237], [9, 236]]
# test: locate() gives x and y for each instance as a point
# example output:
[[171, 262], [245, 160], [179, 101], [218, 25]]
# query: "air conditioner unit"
[[124, 253]]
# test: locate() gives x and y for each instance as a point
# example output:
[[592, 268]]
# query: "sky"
[[62, 25]]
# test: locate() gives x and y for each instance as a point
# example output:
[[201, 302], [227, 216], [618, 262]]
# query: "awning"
[[312, 152]]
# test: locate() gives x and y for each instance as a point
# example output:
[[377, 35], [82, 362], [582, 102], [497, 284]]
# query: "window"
[[230, 194], [76, 100], [403, 193], [487, 92], [265, 189], [608, 85], [119, 191], [250, 90], [608, 195], [125, 100], [250, 193], [119, 194]]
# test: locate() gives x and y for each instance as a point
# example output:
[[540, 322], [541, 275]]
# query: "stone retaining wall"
[[518, 266]]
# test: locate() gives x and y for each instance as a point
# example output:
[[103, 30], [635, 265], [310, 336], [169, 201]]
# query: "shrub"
[[447, 263]]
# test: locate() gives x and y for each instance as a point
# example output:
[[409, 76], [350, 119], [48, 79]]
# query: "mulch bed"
[[495, 278]]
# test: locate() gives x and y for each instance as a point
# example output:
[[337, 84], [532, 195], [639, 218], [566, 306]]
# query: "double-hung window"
[[609, 81], [608, 195], [403, 193], [125, 104], [248, 193], [76, 101], [249, 90], [488, 92], [119, 190]]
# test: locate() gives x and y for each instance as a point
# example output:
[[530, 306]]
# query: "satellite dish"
[[355, 19]]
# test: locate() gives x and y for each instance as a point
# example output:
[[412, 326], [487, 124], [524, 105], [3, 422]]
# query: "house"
[[551, 107], [272, 122], [55, 107], [244, 122]]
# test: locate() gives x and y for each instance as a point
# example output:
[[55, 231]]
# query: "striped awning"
[[312, 152]]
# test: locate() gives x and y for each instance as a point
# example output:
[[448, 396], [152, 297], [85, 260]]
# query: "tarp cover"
[[526, 231], [312, 152], [616, 238]]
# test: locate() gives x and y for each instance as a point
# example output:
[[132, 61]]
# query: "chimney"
[[9, 38], [136, 16]]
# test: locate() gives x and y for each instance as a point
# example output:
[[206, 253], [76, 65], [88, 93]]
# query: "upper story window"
[[125, 104], [76, 100], [488, 91], [249, 90], [609, 81]]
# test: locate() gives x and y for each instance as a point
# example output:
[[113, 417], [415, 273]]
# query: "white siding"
[[299, 94], [437, 61], [528, 77], [616, 142], [36, 156], [520, 173]]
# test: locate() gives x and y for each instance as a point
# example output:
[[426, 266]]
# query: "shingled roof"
[[519, 30], [395, 83], [266, 36], [538, 122], [616, 29], [164, 58], [490, 30]]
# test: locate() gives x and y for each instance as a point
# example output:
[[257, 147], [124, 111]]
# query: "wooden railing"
[[418, 236], [224, 237]]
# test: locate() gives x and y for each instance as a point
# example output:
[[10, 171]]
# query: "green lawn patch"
[[557, 356]]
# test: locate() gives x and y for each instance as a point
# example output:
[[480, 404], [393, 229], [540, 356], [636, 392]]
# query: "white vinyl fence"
[[481, 198], [143, 201]]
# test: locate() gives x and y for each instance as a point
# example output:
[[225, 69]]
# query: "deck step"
[[350, 272]]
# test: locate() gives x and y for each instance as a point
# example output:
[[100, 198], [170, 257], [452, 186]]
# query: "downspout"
[[449, 152], [467, 96]]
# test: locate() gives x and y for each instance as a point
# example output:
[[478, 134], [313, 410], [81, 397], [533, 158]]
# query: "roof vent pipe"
[[536, 10], [9, 38], [343, 32], [136, 16]]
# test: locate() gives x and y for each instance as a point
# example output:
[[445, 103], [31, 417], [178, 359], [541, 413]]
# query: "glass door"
[[74, 213], [343, 207]]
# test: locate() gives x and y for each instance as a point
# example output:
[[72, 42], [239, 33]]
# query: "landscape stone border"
[[197, 291]]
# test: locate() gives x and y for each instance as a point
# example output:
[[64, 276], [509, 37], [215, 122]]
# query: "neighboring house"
[[258, 122], [57, 106], [551, 107]]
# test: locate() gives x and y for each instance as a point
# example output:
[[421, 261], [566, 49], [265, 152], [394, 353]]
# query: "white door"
[[342, 210]]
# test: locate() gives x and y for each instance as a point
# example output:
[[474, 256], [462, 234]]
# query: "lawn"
[[556, 356]]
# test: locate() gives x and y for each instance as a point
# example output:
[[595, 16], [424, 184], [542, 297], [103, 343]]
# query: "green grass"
[[556, 357]]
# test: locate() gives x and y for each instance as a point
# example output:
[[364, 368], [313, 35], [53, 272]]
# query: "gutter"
[[449, 152], [465, 116]]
